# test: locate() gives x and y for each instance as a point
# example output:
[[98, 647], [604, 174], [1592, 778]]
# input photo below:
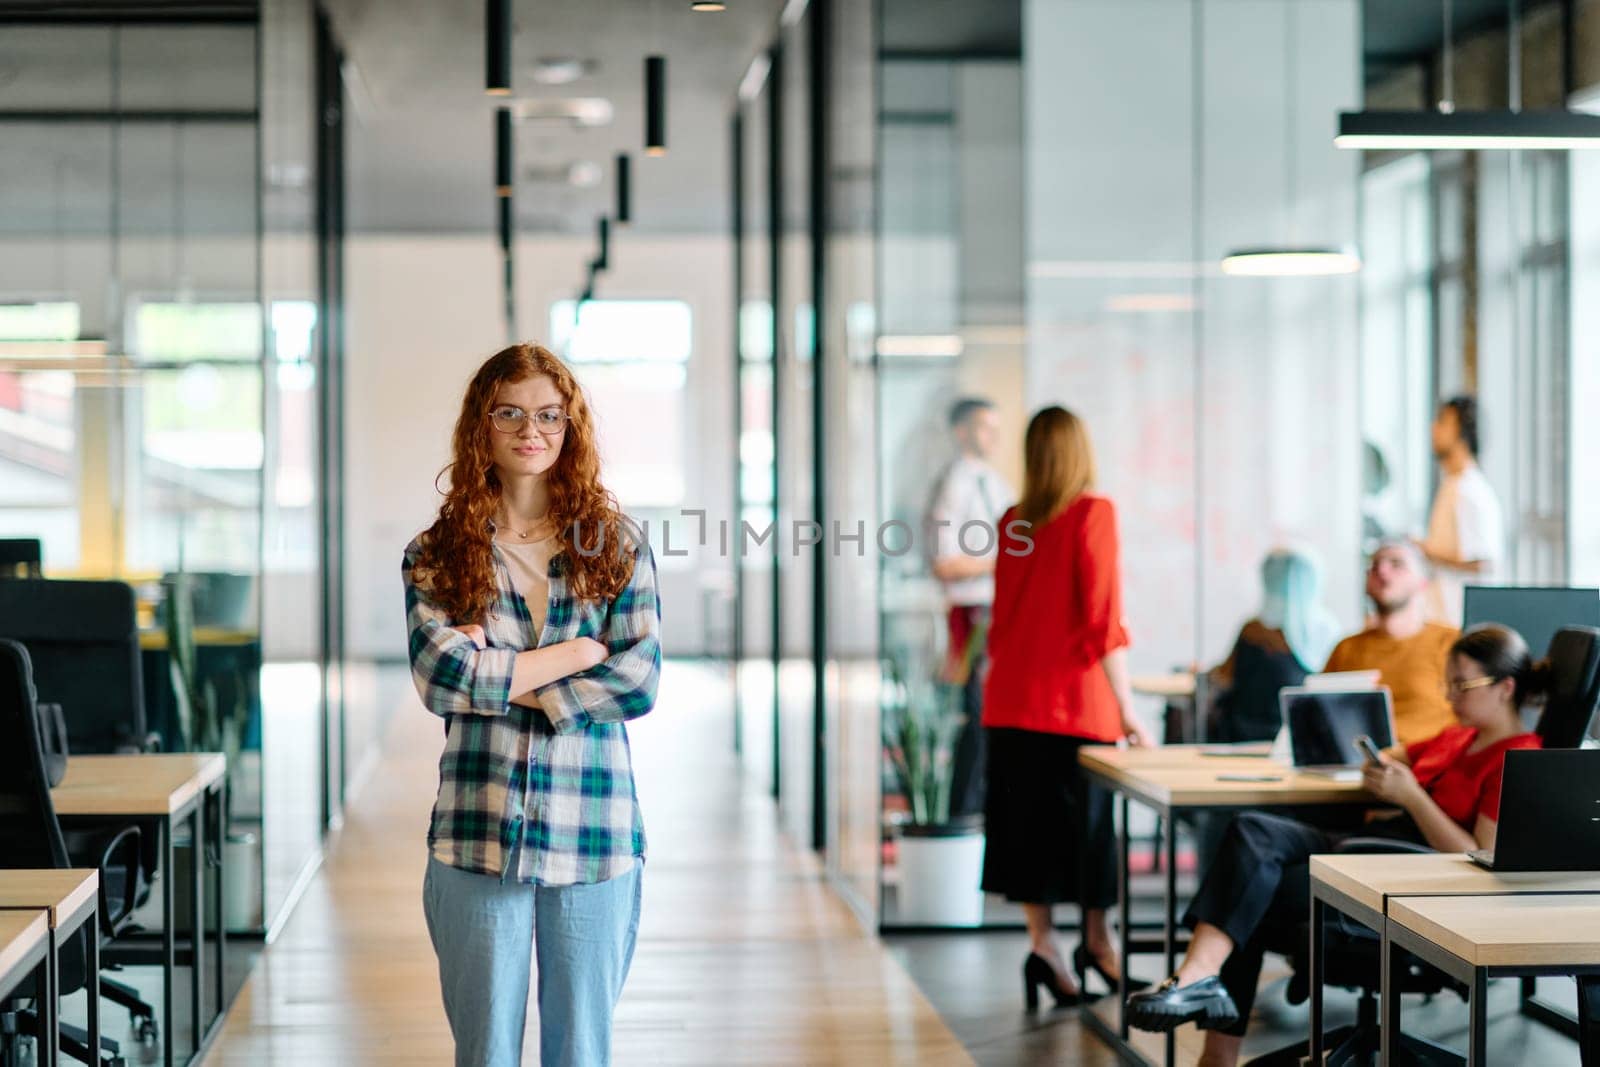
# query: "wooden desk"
[[1176, 779], [1475, 938], [165, 788], [24, 949], [69, 899], [1168, 686], [1367, 886]]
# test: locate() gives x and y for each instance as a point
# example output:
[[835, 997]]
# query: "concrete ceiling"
[[421, 144]]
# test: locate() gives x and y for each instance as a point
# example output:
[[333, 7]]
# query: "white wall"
[[423, 313]]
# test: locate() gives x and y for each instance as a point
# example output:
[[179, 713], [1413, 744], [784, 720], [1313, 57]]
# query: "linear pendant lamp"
[[1291, 259], [497, 48], [1447, 128], [624, 189], [1484, 130], [504, 153], [655, 105]]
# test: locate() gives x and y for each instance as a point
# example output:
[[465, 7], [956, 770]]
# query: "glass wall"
[[161, 383]]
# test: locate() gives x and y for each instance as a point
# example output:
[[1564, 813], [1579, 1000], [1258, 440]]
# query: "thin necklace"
[[521, 534]]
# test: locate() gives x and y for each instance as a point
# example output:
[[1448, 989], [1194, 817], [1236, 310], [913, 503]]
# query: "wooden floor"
[[744, 954]]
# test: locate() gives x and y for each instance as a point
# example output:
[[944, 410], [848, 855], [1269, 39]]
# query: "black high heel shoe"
[[1083, 962], [1036, 972]]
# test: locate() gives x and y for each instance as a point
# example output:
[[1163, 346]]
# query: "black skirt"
[[1050, 838]]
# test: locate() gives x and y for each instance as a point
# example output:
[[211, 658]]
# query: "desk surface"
[[1178, 776], [1176, 684], [153, 784], [61, 892], [1368, 878], [21, 932], [203, 635], [1531, 930]]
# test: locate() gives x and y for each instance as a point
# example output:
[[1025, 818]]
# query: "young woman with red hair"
[[534, 621]]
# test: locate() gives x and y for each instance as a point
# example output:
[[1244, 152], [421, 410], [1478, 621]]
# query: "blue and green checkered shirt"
[[559, 780]]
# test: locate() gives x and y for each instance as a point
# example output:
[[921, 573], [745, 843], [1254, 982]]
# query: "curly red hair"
[[455, 558]]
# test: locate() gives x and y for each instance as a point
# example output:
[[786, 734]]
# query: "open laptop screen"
[[1323, 725]]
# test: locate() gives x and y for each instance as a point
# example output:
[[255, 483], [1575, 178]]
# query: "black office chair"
[[1351, 951], [21, 557], [83, 639], [31, 838]]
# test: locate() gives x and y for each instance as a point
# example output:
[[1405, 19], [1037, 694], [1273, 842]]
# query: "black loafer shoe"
[[1169, 1006]]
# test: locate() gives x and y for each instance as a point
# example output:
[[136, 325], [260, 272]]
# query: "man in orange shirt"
[[1408, 651]]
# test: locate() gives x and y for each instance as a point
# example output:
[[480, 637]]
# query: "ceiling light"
[[1485, 130], [655, 105], [497, 48], [624, 189], [560, 70], [941, 346], [707, 5], [585, 174], [1287, 262], [579, 110], [504, 169], [1128, 303]]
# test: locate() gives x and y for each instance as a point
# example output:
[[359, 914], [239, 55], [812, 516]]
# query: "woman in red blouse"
[[1058, 680], [1448, 790]]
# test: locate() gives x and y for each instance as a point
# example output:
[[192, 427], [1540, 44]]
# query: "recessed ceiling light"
[[582, 110], [707, 5], [560, 70], [585, 174]]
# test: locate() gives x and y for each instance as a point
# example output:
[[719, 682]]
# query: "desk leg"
[[218, 802], [197, 936], [169, 950], [1318, 913], [1124, 920], [92, 981], [1388, 1000], [45, 978], [1169, 832], [1478, 1022]]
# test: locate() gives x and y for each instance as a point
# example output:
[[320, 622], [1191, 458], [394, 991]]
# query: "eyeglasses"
[[548, 421], [1461, 685]]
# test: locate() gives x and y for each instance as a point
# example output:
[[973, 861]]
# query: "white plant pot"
[[939, 876]]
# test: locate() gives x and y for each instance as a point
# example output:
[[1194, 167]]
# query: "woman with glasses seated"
[[1447, 789]]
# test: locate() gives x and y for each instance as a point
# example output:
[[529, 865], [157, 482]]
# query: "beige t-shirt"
[[529, 564]]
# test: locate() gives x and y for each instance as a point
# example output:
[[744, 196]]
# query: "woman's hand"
[[475, 632], [1391, 781], [1137, 734], [586, 652]]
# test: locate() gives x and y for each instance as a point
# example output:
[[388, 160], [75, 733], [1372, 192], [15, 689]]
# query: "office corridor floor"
[[744, 955]]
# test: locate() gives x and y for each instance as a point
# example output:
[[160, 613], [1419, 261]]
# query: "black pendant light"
[[603, 231], [497, 48], [504, 203], [504, 155], [624, 189], [655, 105]]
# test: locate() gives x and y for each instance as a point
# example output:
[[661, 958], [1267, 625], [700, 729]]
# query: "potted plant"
[[940, 858], [207, 723]]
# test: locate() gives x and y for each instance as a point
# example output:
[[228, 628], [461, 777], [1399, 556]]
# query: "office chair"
[[1351, 951], [31, 838], [21, 557], [83, 640]]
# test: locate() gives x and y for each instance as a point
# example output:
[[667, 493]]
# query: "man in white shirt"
[[1465, 541], [963, 529]]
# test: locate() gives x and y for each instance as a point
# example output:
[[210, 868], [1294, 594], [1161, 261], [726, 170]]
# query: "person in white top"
[[1465, 541], [963, 535]]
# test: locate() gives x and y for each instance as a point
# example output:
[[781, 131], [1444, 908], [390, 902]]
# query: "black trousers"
[[1260, 879]]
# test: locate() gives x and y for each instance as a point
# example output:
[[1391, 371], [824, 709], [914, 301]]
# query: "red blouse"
[[1057, 613], [1465, 785]]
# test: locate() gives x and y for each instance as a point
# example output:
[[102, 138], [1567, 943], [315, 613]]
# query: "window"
[[632, 358]]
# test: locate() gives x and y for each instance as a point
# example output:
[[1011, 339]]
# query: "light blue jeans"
[[483, 930]]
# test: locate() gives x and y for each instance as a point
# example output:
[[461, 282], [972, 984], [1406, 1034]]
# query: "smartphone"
[[1368, 749]]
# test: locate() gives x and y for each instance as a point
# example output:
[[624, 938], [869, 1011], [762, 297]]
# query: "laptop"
[[1549, 812], [1323, 725]]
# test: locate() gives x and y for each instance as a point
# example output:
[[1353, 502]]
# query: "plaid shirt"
[[560, 779]]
